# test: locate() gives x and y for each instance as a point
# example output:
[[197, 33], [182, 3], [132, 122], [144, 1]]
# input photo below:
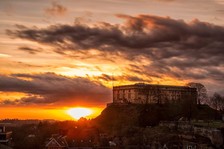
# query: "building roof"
[[136, 85], [57, 141]]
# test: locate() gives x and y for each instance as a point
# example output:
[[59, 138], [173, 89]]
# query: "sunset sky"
[[56, 55]]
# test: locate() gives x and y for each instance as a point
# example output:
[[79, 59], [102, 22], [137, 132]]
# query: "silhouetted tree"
[[217, 101], [201, 92]]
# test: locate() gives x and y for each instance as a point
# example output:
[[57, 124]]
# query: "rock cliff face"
[[213, 134], [138, 124], [116, 117]]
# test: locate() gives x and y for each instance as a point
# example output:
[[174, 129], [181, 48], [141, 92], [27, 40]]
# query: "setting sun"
[[77, 113]]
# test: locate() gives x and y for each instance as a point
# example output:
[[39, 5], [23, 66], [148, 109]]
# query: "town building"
[[141, 93], [56, 142], [5, 136]]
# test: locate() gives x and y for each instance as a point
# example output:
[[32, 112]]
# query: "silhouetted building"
[[56, 142], [141, 93], [5, 136]]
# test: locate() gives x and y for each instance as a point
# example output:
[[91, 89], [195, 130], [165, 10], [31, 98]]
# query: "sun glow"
[[77, 113]]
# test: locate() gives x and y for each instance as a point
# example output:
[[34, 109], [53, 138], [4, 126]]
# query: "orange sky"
[[56, 113], [57, 55]]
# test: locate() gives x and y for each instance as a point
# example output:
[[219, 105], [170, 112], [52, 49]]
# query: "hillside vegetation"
[[115, 118]]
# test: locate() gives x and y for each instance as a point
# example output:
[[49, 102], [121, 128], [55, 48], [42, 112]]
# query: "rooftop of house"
[[57, 140]]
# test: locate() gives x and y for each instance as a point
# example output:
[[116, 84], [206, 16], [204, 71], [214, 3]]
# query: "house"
[[5, 136], [57, 142]]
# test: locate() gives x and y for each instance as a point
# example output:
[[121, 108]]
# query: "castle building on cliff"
[[141, 93]]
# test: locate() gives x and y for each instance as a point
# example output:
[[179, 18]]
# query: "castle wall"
[[148, 93]]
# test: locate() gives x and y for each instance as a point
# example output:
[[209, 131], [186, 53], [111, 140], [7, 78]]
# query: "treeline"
[[78, 133], [217, 102]]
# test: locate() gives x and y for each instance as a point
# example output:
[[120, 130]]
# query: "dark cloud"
[[184, 50], [157, 37], [166, 0], [220, 11], [30, 50], [56, 9], [126, 77], [50, 88]]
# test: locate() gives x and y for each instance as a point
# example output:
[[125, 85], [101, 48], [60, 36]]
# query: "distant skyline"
[[56, 55]]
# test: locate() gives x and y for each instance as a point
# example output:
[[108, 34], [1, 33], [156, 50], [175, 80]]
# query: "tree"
[[217, 101], [201, 92]]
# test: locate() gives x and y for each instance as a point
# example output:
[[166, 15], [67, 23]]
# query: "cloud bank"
[[49, 88], [183, 50]]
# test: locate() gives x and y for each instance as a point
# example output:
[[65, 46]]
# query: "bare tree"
[[202, 95], [217, 101]]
